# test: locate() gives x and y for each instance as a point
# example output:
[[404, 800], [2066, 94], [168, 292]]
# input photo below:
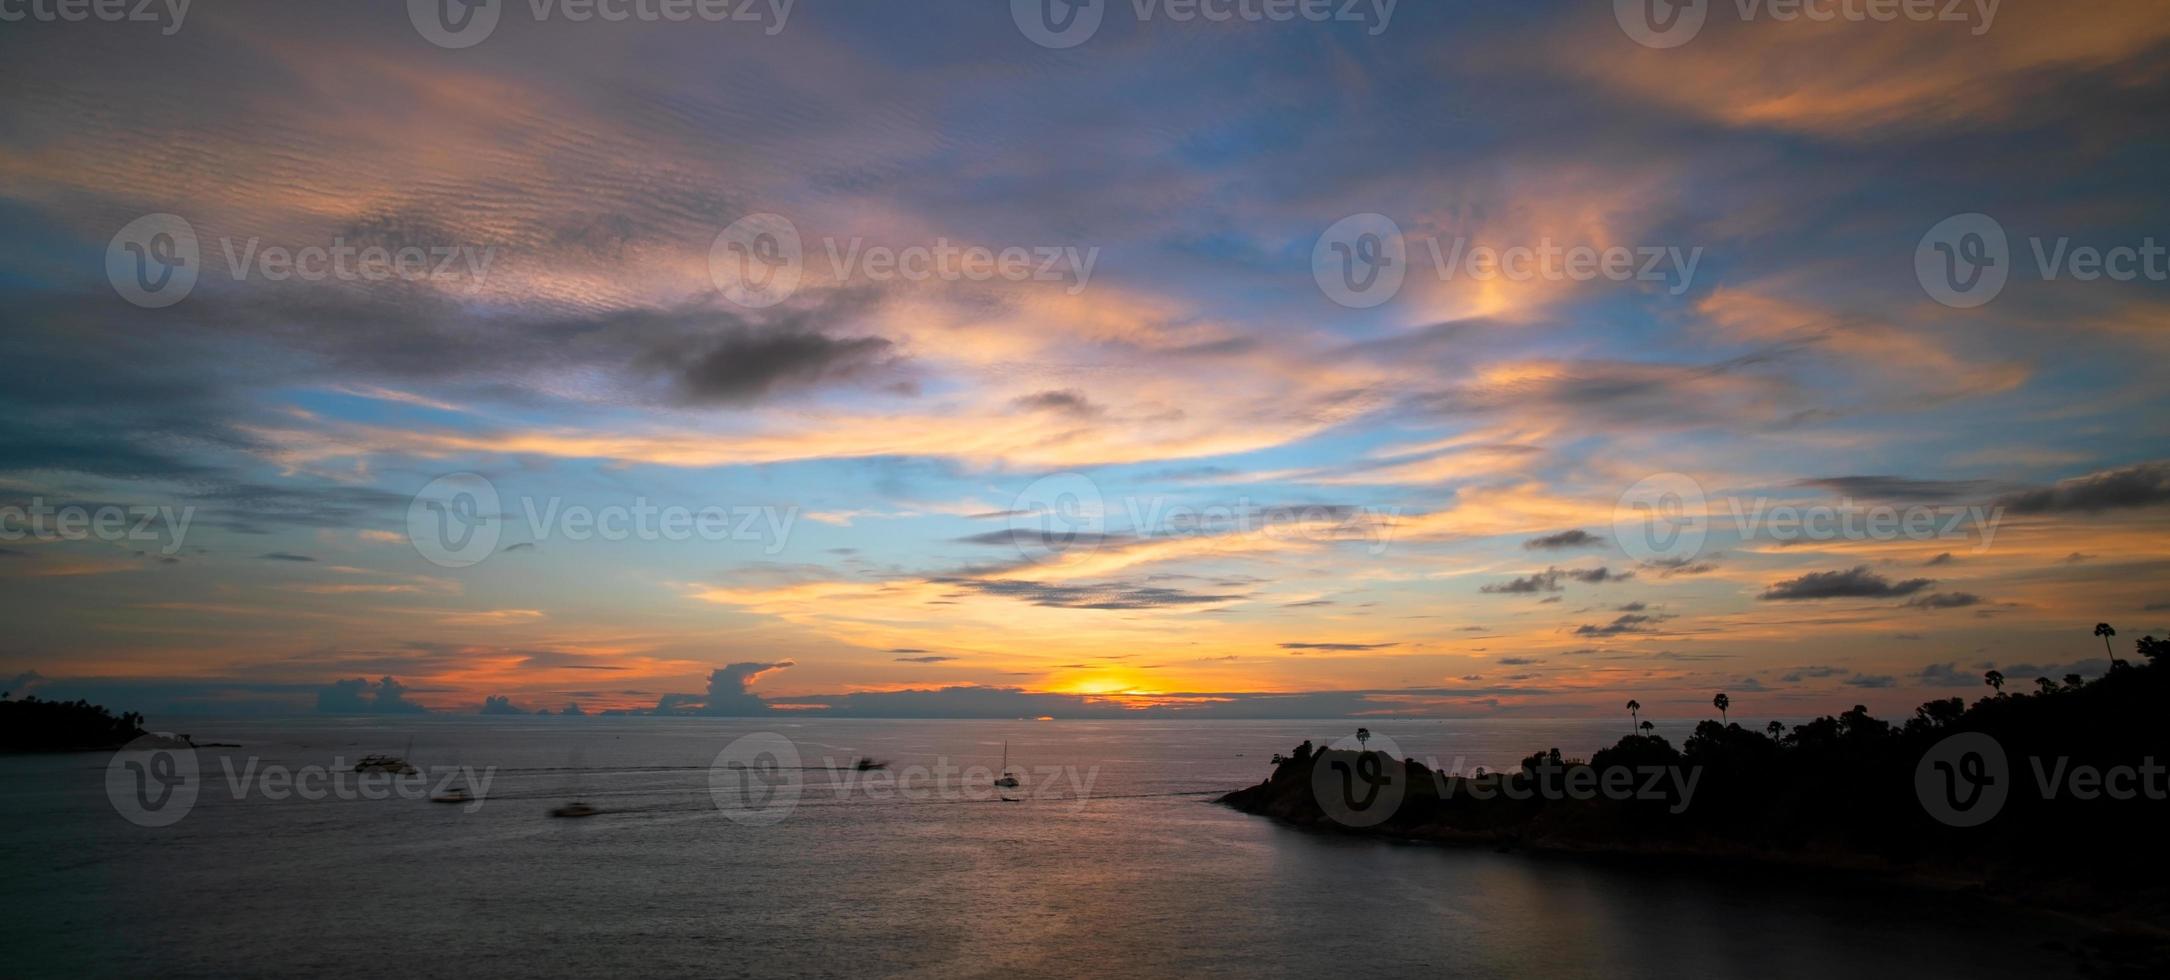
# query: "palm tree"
[[1721, 702], [1633, 707], [1363, 737], [1995, 679], [2103, 630], [1777, 730], [1648, 728]]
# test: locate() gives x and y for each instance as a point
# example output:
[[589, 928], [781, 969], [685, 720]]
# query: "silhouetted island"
[[2062, 805], [35, 725]]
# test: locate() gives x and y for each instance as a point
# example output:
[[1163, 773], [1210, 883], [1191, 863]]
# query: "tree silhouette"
[[1633, 707], [2103, 630], [1363, 737], [1994, 679], [1721, 702], [1777, 730], [1648, 728], [2048, 686]]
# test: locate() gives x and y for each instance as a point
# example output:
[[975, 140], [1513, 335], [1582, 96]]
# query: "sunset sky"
[[1283, 503]]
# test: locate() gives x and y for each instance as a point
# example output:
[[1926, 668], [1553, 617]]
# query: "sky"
[[1446, 359]]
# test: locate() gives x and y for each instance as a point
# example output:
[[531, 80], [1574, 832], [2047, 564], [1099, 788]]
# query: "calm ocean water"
[[1136, 875]]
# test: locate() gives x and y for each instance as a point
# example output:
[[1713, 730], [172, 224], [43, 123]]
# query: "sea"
[[757, 847]]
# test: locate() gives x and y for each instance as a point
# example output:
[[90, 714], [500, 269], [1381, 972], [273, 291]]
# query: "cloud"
[[1576, 538], [1519, 661], [729, 694], [1549, 580], [1068, 401], [1854, 583], [1870, 680], [359, 696], [1342, 647], [498, 704], [1629, 623], [1947, 675], [1095, 596], [1944, 558], [284, 556], [1896, 487], [1944, 600], [2139, 485], [930, 659], [1798, 674]]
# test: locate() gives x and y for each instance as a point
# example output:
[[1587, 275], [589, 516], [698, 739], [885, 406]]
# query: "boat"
[[384, 763], [575, 809], [1009, 779], [454, 795]]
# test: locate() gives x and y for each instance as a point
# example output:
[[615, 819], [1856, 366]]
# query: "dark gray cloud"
[[498, 704], [1626, 623], [1067, 401], [1948, 675], [1341, 647], [1871, 681], [1897, 487], [1944, 600], [284, 556], [360, 696], [928, 659], [1093, 596], [1799, 674], [1853, 583], [1549, 580], [739, 363], [2139, 485], [1576, 538]]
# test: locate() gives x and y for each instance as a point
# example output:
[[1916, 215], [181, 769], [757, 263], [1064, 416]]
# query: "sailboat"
[[1009, 779]]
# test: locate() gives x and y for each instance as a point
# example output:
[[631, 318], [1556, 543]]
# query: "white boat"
[[1009, 779]]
